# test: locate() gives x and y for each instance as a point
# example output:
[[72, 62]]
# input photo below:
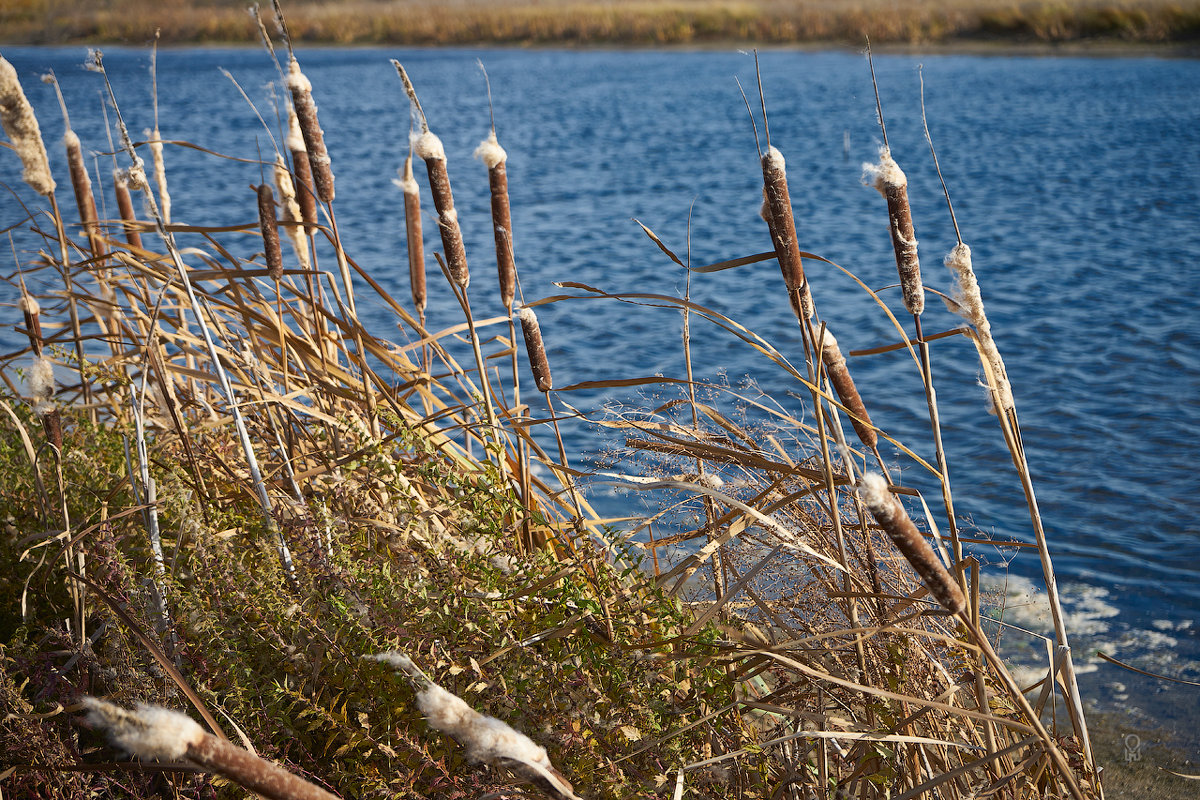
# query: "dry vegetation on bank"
[[633, 22], [228, 497]]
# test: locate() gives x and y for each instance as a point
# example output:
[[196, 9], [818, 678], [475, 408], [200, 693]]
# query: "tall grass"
[[305, 495]]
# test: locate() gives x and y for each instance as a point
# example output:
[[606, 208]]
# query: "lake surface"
[[1074, 181]]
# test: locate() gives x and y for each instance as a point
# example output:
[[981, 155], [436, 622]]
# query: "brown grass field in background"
[[632, 22]]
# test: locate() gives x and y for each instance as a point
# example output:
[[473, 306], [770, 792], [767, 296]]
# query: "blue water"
[[1074, 181]]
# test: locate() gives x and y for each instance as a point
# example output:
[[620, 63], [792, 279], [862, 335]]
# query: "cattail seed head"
[[270, 231], [413, 233], [21, 125], [292, 212], [305, 192], [33, 320], [429, 147], [493, 155], [41, 379], [891, 182], [847, 392], [536, 349], [777, 210], [891, 516], [160, 173], [125, 207], [310, 129], [970, 307]]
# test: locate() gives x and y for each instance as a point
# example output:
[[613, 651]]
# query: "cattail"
[[310, 129], [270, 231], [847, 392], [152, 732], [85, 200], [891, 182], [412, 224], [970, 307], [160, 173], [428, 147], [778, 215], [41, 391], [292, 213], [891, 516], [125, 207], [21, 125], [33, 321], [536, 348], [494, 157], [305, 193]]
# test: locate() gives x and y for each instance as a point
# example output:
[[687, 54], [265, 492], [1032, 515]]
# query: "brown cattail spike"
[[847, 392], [125, 208], [494, 157], [892, 517], [412, 226], [85, 200], [270, 231], [536, 348], [783, 231], [429, 147], [21, 125], [892, 183], [305, 192], [310, 129]]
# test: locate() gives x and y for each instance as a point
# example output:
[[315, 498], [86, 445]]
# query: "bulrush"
[[310, 130], [847, 392], [428, 148], [416, 243], [970, 307], [891, 516], [305, 192], [152, 732], [494, 157], [892, 183], [777, 211], [21, 125], [536, 349], [125, 207], [269, 225], [160, 172], [41, 374], [85, 200], [292, 213]]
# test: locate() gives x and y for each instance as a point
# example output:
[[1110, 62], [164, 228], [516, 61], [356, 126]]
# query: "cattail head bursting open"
[[412, 225], [160, 173], [494, 157], [783, 230], [125, 207], [428, 147], [21, 125], [314, 138], [970, 307], [847, 392], [891, 182], [891, 516], [269, 225], [536, 348], [305, 191], [32, 312]]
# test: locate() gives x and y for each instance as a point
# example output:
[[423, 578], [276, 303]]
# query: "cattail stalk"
[[847, 392], [153, 732], [269, 225], [310, 129], [416, 243], [125, 207], [895, 521], [305, 192], [21, 126], [970, 307], [495, 158], [778, 215], [891, 182]]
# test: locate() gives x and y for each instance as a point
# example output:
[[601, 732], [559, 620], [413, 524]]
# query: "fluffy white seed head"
[[774, 159], [405, 181], [485, 738], [428, 147], [528, 317], [41, 379], [71, 139], [21, 125], [29, 305], [490, 152], [149, 732], [873, 489], [884, 175], [295, 139], [296, 80]]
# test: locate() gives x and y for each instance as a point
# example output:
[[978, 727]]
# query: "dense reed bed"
[[657, 22], [227, 497]]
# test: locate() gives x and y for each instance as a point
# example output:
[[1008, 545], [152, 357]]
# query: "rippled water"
[[1074, 181]]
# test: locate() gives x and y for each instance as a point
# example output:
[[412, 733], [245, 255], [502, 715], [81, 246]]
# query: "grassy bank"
[[625, 22], [225, 495]]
